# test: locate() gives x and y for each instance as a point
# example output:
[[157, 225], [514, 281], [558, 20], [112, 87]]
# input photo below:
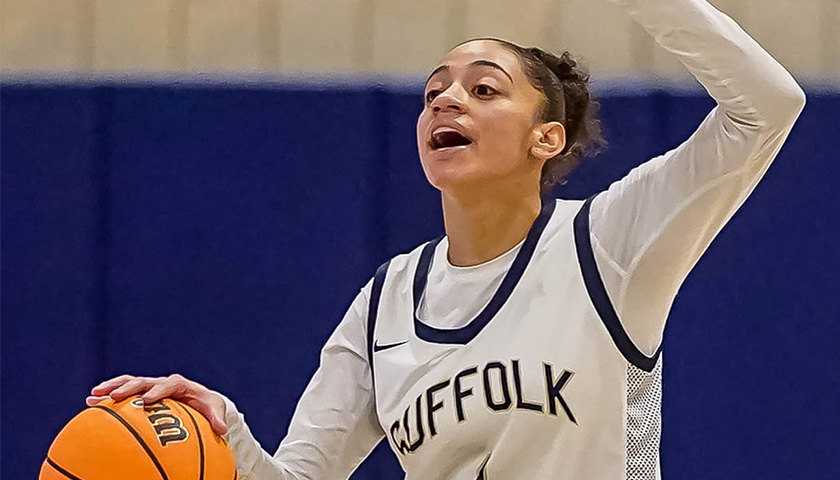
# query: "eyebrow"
[[477, 63]]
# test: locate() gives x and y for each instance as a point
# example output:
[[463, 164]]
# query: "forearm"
[[252, 462], [334, 426], [738, 73]]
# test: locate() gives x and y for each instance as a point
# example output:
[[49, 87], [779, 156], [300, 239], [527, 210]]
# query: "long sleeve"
[[334, 426], [649, 229]]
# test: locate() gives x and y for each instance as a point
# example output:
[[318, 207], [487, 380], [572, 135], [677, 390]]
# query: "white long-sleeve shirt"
[[647, 231]]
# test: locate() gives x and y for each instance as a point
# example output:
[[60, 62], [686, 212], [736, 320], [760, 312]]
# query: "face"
[[480, 124]]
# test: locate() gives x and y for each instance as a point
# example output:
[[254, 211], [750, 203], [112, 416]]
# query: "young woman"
[[524, 344]]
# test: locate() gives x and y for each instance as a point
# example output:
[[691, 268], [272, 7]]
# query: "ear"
[[548, 140]]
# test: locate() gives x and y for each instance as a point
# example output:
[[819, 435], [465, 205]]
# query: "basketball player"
[[524, 344]]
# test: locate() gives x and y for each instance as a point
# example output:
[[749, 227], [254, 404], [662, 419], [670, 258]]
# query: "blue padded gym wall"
[[221, 231]]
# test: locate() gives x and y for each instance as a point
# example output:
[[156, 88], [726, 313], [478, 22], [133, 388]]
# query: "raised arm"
[[649, 229], [334, 426]]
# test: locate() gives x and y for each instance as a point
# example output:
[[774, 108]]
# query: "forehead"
[[465, 54]]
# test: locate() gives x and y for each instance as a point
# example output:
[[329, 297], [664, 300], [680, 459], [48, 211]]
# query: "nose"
[[450, 99]]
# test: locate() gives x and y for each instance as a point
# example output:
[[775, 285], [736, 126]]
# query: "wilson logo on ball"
[[167, 425]]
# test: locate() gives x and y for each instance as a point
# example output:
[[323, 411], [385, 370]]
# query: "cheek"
[[419, 127], [420, 130], [505, 142]]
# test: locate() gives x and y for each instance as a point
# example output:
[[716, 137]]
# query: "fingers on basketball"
[[108, 386]]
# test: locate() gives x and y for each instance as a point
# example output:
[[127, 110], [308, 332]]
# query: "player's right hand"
[[202, 399]]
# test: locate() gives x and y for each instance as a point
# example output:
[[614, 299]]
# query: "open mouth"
[[448, 138]]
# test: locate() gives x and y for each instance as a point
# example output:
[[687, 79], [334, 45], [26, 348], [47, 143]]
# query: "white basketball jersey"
[[542, 384]]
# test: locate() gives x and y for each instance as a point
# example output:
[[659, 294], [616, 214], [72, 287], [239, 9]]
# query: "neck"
[[482, 227]]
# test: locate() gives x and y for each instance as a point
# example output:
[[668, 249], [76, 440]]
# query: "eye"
[[431, 94], [484, 90]]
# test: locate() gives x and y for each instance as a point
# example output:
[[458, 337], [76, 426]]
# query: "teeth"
[[445, 129]]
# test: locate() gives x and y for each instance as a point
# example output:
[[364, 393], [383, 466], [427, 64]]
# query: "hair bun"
[[564, 66]]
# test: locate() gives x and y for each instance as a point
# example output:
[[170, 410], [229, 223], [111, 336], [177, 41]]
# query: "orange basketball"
[[127, 440]]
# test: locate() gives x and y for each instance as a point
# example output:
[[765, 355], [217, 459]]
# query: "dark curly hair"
[[564, 84]]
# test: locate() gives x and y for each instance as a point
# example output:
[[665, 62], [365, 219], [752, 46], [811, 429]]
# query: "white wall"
[[382, 36]]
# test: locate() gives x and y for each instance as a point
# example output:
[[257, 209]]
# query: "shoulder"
[[565, 212], [399, 265], [403, 262], [563, 207]]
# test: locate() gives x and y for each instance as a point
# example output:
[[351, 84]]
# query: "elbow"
[[794, 100], [789, 102], [781, 103]]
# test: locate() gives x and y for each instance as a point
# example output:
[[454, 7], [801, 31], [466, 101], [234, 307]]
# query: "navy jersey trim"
[[598, 293], [463, 335], [373, 308]]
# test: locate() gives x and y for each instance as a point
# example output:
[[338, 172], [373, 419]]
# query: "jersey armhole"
[[598, 293]]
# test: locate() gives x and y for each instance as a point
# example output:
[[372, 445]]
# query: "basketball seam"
[[200, 442], [136, 437], [61, 470]]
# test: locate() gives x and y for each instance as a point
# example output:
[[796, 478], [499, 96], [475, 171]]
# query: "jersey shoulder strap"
[[598, 293], [373, 307]]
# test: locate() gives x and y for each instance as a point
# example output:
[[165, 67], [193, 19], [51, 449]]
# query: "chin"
[[453, 179]]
